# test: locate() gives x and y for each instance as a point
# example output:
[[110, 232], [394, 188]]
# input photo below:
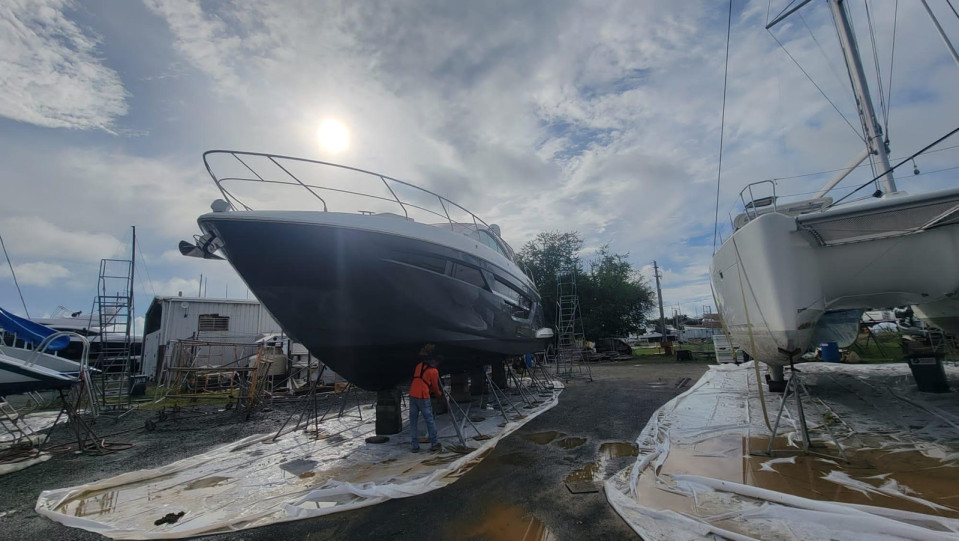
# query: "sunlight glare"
[[333, 136]]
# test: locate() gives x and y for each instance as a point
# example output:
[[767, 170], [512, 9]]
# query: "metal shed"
[[200, 318]]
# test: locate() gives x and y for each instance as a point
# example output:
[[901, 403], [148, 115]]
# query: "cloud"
[[174, 286], [33, 236], [52, 73], [37, 273], [559, 115]]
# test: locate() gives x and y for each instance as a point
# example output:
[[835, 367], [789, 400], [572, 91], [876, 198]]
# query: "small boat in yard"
[[365, 289], [25, 370]]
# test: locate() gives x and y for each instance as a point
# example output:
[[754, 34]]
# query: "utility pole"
[[659, 294]]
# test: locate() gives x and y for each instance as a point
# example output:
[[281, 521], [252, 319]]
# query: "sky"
[[601, 117]]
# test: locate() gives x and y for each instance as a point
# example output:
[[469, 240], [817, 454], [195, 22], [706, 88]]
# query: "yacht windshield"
[[482, 234]]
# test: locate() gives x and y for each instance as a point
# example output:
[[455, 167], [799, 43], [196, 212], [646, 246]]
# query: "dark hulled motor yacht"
[[364, 290]]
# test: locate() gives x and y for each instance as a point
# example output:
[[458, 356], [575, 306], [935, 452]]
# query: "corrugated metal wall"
[[180, 320]]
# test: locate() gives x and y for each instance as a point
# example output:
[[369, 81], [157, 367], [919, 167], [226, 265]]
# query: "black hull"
[[365, 302]]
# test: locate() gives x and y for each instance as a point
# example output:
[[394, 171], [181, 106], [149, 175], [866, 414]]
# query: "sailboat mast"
[[867, 112]]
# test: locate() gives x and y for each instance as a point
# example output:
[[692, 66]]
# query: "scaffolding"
[[240, 373], [570, 361], [113, 307]]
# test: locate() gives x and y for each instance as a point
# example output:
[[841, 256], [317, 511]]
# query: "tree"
[[613, 297], [546, 256]]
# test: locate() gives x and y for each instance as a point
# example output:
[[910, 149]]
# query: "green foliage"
[[613, 296], [546, 256]]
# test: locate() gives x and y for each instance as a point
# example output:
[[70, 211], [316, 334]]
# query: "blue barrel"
[[830, 352]]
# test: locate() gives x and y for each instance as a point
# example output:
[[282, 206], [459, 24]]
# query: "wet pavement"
[[534, 485], [519, 491]]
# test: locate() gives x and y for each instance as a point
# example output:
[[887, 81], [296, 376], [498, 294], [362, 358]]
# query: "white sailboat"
[[790, 272]]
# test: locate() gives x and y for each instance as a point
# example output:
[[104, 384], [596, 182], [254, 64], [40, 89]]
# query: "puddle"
[[570, 443], [618, 450], [504, 523], [298, 466], [894, 478], [207, 482], [607, 451], [543, 438], [585, 474]]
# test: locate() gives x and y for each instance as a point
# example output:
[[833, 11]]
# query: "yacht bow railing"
[[248, 173]]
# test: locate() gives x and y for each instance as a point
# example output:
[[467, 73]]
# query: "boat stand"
[[23, 440], [307, 412], [796, 389], [541, 377], [499, 393], [524, 394], [87, 440], [459, 425]]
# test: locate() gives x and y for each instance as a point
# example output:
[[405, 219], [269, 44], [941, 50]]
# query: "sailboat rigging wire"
[[892, 60], [822, 51], [14, 274], [817, 173], [722, 127], [146, 270], [894, 167], [786, 12], [875, 60], [952, 8], [811, 80]]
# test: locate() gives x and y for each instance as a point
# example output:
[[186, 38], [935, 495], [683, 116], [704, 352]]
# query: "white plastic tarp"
[[701, 469], [259, 480]]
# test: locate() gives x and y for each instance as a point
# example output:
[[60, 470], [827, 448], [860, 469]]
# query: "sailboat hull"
[[773, 280]]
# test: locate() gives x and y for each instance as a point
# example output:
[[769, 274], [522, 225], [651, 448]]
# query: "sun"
[[333, 136]]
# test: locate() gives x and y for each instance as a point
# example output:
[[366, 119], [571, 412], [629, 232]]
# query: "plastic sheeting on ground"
[[701, 470], [19, 439], [258, 481]]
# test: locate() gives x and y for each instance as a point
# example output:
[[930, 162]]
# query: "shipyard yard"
[[647, 361], [519, 489]]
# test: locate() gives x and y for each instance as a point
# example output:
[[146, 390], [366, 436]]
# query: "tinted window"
[[469, 275], [435, 264], [488, 240], [521, 302]]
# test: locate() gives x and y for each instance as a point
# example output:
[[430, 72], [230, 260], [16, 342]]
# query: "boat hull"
[[18, 376], [365, 301], [773, 282]]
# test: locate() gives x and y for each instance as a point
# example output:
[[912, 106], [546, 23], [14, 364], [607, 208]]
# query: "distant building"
[[693, 333], [212, 320]]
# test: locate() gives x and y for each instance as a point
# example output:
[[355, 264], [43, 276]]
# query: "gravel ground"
[[519, 489]]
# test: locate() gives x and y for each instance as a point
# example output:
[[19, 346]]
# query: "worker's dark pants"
[[418, 405]]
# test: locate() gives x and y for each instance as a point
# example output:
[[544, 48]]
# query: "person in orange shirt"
[[426, 383]]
